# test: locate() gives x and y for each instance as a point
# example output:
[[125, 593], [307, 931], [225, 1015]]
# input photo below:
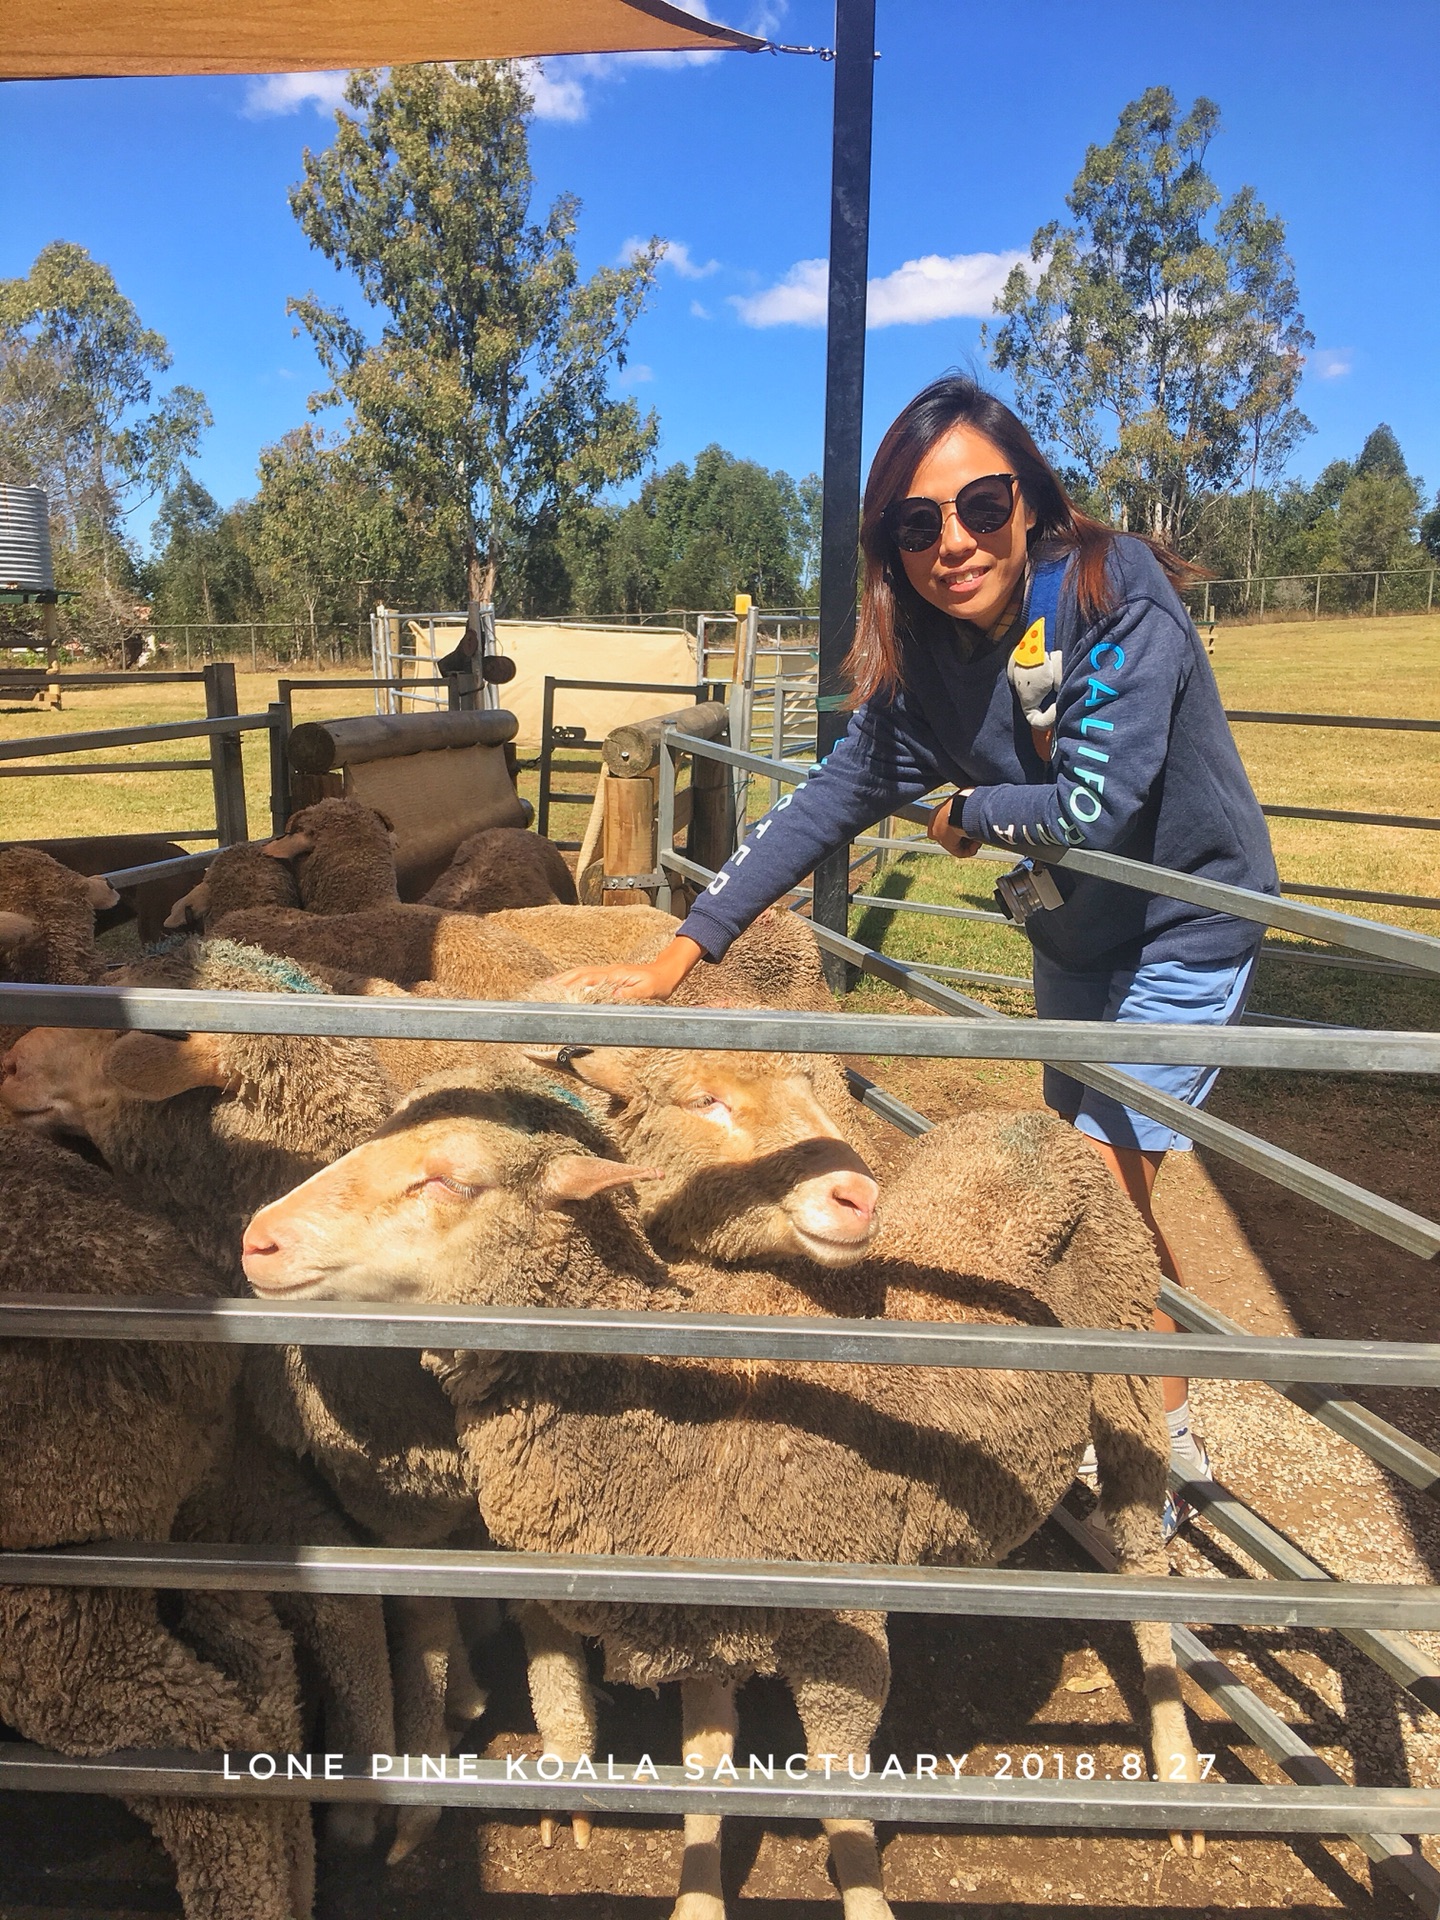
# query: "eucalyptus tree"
[[485, 399], [1156, 342]]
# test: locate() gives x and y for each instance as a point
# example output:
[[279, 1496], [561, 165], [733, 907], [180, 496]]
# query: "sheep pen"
[[1257, 1246]]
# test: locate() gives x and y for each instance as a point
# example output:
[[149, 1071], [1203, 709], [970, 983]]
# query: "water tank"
[[25, 563]]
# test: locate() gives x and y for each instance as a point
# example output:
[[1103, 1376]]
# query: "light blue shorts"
[[1159, 990]]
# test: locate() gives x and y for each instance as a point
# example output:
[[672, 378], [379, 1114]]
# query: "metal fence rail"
[[1367, 1611], [972, 1592]]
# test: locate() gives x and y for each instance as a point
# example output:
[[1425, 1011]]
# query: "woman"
[[1044, 664]]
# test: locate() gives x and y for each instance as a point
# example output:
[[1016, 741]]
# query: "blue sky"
[[982, 119]]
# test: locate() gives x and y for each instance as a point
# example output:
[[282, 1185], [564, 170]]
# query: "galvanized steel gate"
[[1313, 1373]]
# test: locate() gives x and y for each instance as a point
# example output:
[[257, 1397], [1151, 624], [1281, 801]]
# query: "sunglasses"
[[982, 507]]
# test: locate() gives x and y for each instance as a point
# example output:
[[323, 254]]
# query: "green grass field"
[[1383, 667]]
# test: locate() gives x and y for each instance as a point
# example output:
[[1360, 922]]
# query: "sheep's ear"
[[157, 1066], [99, 891], [611, 1069], [290, 845], [578, 1176], [190, 909], [15, 930], [384, 819]]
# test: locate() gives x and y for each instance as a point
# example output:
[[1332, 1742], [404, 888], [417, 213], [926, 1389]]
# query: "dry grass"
[[1342, 666]]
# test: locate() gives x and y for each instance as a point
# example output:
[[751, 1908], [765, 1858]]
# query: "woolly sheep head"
[[67, 1080], [460, 1189], [41, 899], [753, 1166], [238, 877], [343, 854]]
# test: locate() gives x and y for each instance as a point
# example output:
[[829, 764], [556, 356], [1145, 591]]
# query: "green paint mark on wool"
[[287, 974]]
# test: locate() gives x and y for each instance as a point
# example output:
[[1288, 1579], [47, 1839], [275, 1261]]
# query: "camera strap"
[[1036, 666]]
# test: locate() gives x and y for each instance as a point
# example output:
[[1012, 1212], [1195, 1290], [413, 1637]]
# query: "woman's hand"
[[952, 839], [653, 979]]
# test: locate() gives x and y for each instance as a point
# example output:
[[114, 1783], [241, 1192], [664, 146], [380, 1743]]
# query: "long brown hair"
[[890, 608]]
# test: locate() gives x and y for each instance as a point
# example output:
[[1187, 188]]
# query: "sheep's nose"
[[261, 1246], [854, 1194]]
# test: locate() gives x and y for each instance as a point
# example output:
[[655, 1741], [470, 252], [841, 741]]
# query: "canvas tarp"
[[55, 39], [659, 655]]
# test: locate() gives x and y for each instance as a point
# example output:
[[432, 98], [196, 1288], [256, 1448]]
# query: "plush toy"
[[1036, 675]]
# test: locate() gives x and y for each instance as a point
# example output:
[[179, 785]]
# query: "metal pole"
[[1375, 602], [844, 400], [1318, 578]]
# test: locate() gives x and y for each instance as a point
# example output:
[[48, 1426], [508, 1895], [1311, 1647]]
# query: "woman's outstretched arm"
[[874, 769]]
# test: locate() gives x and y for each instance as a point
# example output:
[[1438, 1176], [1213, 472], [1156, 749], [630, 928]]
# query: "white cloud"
[[934, 287], [677, 255], [697, 312], [940, 287], [799, 300], [638, 375], [1332, 363], [674, 253], [273, 93], [557, 92]]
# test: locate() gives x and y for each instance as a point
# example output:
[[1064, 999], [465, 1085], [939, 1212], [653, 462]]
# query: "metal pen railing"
[[1381, 1816]]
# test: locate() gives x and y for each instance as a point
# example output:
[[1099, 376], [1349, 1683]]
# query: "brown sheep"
[[343, 854], [240, 876], [47, 923], [503, 867], [103, 1440], [47, 919], [465, 956], [775, 962], [205, 1128], [470, 1193]]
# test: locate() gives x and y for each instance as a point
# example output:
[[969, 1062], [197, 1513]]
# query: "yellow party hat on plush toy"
[[1031, 650]]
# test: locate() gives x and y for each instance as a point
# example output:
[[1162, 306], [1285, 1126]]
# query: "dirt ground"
[[1271, 1261]]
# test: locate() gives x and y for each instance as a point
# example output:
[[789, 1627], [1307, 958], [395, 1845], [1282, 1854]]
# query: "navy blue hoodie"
[[1143, 765]]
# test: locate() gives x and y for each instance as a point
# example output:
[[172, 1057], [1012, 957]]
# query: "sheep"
[[473, 1191], [101, 854], [776, 961], [47, 919], [464, 955], [105, 1440], [993, 1216], [239, 876], [47, 923], [343, 854], [503, 867], [206, 1128]]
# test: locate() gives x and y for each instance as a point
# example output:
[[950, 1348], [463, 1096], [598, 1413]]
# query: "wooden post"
[[629, 835], [227, 768], [712, 814], [279, 737]]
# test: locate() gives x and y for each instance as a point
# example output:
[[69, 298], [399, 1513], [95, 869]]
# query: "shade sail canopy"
[[57, 39]]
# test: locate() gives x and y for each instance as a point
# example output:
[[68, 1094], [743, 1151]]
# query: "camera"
[[1026, 889]]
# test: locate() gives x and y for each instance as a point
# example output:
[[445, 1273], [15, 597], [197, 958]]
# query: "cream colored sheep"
[[473, 1191], [203, 1129], [240, 876]]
